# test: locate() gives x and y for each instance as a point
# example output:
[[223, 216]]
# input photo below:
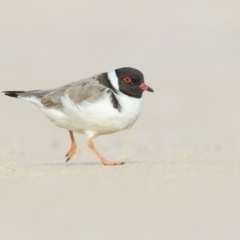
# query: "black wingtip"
[[12, 93]]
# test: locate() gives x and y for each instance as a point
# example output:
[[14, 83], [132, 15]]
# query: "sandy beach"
[[181, 179], [174, 197]]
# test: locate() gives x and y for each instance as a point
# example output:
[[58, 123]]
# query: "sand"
[[182, 173], [181, 197]]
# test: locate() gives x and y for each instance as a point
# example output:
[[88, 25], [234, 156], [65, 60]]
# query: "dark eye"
[[127, 79]]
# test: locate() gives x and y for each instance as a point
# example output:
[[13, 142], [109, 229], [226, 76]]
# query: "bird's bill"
[[145, 87]]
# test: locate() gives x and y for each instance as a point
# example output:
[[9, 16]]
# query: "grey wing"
[[88, 89]]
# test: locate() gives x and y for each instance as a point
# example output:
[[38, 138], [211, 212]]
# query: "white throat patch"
[[112, 76]]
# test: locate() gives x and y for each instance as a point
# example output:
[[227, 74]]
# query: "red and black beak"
[[145, 87]]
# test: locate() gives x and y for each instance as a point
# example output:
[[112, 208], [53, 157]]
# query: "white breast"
[[96, 118]]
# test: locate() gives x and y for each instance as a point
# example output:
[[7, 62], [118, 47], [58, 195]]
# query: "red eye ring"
[[127, 79]]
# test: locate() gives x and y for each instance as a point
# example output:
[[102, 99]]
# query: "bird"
[[102, 104]]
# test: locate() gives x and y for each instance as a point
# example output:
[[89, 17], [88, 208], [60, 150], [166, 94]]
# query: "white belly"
[[96, 118]]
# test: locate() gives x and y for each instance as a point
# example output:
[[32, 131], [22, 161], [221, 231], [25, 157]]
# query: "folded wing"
[[84, 90]]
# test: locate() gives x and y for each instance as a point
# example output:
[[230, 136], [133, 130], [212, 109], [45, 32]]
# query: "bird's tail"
[[14, 93], [33, 96], [26, 94]]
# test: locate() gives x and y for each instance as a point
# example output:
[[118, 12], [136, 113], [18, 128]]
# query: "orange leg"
[[73, 147], [103, 160]]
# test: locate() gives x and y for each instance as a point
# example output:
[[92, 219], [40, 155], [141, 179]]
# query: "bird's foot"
[[71, 152], [107, 163]]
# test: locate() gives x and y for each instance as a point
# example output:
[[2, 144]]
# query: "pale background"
[[182, 177]]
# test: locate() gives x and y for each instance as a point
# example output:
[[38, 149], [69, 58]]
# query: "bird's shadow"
[[66, 164], [76, 164]]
